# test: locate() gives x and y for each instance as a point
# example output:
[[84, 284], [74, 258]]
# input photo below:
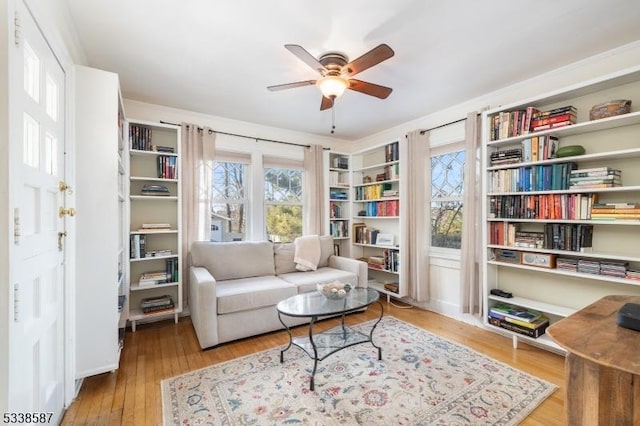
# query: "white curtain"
[[198, 148], [314, 196], [471, 231], [417, 213]]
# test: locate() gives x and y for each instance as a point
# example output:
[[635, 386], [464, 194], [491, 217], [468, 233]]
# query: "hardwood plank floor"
[[131, 395]]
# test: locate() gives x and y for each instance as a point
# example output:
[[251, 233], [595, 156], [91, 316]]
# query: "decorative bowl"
[[334, 290]]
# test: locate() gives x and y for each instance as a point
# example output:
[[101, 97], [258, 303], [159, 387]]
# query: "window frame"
[[266, 204], [442, 149]]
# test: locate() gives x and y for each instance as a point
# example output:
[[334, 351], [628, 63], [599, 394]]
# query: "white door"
[[37, 138]]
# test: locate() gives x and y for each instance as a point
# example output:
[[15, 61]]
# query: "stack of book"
[[376, 262], [155, 227], [392, 287], [597, 177], [518, 319], [161, 148], [567, 264], [557, 117], [154, 305], [157, 190], [614, 268], [633, 275], [154, 278], [509, 156], [615, 211]]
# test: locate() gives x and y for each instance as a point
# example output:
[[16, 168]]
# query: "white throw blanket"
[[307, 252]]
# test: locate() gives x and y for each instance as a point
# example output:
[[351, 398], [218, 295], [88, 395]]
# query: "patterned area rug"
[[421, 380]]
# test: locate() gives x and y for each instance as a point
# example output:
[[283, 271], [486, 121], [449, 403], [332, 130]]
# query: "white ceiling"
[[217, 57]]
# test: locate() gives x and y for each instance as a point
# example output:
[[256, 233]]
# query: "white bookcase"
[[377, 232], [100, 235], [154, 220], [524, 271], [339, 205]]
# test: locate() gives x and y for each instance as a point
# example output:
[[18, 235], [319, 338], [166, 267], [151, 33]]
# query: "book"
[[515, 312]]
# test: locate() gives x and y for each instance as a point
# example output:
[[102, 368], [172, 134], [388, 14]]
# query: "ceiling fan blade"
[[291, 85], [369, 59], [326, 103], [369, 88], [306, 57]]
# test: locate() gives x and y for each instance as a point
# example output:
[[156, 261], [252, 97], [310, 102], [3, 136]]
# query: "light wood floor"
[[131, 395]]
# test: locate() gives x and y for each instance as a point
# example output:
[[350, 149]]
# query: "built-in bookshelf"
[[100, 272], [376, 230], [560, 232], [154, 239], [339, 196]]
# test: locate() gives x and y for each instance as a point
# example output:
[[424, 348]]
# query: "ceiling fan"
[[336, 72]]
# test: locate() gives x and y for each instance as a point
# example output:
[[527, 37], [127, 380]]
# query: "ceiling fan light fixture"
[[332, 86]]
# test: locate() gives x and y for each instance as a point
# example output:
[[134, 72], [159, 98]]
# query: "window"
[[283, 203], [229, 202], [446, 199]]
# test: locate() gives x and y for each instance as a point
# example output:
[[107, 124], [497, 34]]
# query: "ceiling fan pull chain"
[[333, 118]]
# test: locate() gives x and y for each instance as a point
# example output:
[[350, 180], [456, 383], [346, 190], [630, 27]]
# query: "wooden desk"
[[602, 368]]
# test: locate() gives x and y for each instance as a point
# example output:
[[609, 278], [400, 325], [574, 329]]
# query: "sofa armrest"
[[203, 306], [354, 266]]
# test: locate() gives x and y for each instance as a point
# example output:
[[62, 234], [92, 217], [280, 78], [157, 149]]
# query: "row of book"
[[542, 206], [381, 208], [375, 192], [362, 234], [531, 178], [138, 248], [539, 148], [521, 320], [596, 177], [338, 179], [335, 210], [339, 229], [155, 305], [167, 167], [508, 124], [556, 236], [389, 261], [392, 152], [169, 275], [616, 211], [339, 162]]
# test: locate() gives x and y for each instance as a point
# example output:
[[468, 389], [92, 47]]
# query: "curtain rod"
[[422, 132], [244, 136]]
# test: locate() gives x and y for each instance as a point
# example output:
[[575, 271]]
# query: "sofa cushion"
[[283, 254], [245, 294], [308, 281], [232, 260]]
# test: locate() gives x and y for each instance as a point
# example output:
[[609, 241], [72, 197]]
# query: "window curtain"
[[471, 293], [418, 215], [198, 148], [314, 220]]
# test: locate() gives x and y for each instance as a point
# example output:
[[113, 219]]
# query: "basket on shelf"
[[610, 109]]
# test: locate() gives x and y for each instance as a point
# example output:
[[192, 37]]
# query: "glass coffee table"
[[314, 305]]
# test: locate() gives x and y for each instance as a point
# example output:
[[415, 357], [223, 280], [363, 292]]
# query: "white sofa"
[[234, 287]]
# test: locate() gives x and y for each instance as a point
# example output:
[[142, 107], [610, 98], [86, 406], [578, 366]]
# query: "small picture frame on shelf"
[[384, 240], [336, 249]]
